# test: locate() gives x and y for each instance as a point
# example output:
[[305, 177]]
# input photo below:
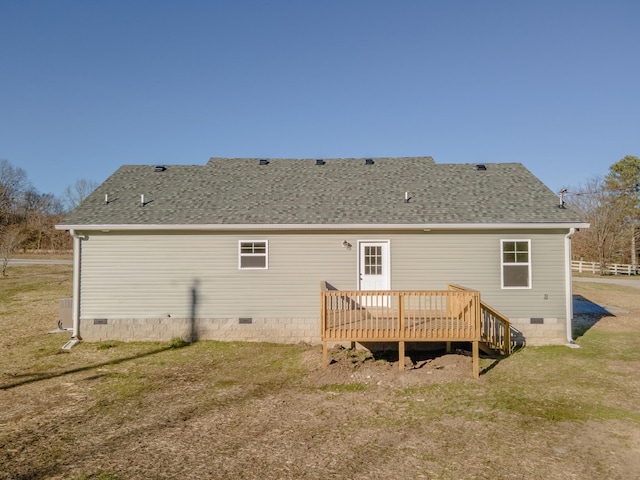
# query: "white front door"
[[374, 266]]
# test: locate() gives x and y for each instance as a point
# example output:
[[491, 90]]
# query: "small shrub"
[[177, 342]]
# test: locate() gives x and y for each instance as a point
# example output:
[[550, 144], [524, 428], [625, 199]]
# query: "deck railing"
[[393, 315]]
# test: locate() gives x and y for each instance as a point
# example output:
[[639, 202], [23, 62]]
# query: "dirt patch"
[[360, 366]]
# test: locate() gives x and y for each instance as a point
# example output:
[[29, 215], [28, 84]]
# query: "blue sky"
[[86, 86]]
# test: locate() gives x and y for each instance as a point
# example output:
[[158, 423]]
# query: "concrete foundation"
[[539, 331], [528, 331], [275, 330]]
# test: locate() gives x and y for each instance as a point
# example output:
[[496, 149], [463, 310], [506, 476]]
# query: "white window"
[[253, 254], [516, 263]]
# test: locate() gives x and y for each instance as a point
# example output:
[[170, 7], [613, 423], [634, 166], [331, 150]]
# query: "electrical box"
[[65, 314]]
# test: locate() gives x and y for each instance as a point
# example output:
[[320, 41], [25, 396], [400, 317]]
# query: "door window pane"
[[373, 260]]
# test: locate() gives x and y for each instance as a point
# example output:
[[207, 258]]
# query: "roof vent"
[[160, 168], [319, 161], [561, 194], [481, 166], [264, 161], [368, 161]]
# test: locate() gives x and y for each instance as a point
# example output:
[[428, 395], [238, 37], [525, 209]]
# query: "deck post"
[[476, 359], [401, 331]]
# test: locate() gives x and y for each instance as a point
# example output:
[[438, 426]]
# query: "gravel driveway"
[[626, 282]]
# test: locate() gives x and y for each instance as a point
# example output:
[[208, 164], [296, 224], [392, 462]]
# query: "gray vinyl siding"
[[130, 275], [473, 261]]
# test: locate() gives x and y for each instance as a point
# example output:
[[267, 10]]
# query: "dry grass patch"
[[114, 410]]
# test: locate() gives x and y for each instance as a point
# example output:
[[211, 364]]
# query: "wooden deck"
[[454, 315]]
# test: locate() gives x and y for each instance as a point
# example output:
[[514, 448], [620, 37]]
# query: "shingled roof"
[[305, 192]]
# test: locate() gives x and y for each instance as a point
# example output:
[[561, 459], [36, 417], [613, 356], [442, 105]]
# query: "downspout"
[[568, 287], [76, 286]]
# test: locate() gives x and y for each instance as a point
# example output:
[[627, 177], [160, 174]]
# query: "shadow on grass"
[[48, 376], [586, 314], [417, 355], [497, 358]]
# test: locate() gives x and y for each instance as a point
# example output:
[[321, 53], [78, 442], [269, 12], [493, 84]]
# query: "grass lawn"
[[114, 410]]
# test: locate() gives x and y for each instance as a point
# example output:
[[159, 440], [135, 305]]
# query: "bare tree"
[[74, 194], [603, 241], [41, 213], [13, 184], [10, 239], [27, 217]]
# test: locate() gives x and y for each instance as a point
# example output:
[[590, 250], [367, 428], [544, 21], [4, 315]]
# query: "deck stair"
[[495, 336], [495, 329]]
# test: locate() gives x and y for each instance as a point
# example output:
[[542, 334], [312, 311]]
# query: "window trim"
[[528, 264], [242, 255]]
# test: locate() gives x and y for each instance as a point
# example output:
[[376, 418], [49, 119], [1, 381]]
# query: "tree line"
[[611, 205], [28, 217]]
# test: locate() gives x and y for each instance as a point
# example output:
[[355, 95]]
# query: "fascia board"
[[345, 226]]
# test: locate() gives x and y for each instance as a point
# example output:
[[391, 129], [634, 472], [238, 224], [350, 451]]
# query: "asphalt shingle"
[[240, 191]]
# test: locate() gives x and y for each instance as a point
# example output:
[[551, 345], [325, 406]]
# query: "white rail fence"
[[611, 269]]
